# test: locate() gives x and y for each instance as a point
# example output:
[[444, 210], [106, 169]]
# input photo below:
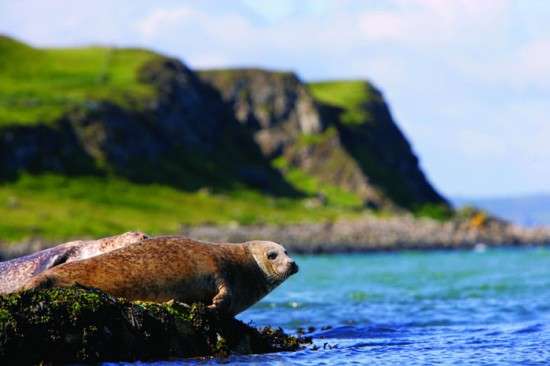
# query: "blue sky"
[[467, 80]]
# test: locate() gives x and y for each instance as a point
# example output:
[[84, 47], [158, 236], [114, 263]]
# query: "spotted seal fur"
[[14, 273], [228, 277]]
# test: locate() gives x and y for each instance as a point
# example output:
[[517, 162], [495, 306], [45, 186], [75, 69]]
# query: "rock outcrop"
[[384, 155], [68, 325], [274, 106], [354, 145]]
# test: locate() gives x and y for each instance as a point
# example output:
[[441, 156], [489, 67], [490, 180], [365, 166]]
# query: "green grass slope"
[[350, 95], [40, 85], [56, 208]]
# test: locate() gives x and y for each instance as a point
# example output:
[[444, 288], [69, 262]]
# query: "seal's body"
[[16, 272], [229, 277]]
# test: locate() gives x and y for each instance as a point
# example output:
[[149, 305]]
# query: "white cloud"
[[64, 22], [433, 21], [534, 61], [519, 68], [385, 26], [163, 20]]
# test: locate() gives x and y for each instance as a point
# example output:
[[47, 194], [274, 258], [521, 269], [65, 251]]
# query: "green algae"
[[80, 324]]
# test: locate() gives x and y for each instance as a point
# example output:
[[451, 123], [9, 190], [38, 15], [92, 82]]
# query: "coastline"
[[366, 234], [370, 233]]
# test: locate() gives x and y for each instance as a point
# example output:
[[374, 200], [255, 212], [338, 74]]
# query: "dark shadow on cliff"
[[384, 155], [188, 139], [38, 149]]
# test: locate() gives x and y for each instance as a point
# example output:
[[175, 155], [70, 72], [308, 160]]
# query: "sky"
[[468, 81]]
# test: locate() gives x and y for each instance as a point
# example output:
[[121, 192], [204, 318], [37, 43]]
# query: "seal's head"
[[273, 259]]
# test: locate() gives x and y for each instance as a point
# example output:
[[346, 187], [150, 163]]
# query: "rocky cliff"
[[339, 132], [275, 107], [161, 122]]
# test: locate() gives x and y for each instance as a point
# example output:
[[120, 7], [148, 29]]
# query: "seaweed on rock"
[[84, 324]]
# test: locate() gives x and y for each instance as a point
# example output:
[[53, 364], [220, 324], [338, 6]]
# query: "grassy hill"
[[99, 140], [40, 85], [56, 207]]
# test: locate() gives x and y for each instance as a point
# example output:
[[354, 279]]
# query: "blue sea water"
[[487, 307]]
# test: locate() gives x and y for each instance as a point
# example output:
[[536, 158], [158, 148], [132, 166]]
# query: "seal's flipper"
[[222, 301]]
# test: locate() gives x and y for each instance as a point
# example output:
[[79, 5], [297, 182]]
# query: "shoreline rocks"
[[371, 233], [365, 234]]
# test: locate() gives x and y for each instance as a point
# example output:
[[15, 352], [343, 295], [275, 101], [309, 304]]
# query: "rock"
[[275, 106], [86, 325]]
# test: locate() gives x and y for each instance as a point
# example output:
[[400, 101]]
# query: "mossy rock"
[[82, 324]]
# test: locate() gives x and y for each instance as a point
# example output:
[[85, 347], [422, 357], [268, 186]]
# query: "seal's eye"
[[271, 255]]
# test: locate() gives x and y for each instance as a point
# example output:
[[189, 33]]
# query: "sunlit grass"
[[56, 207], [40, 85], [350, 95], [334, 195]]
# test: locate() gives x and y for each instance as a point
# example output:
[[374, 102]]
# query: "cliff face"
[[342, 133], [161, 122], [383, 153], [274, 106]]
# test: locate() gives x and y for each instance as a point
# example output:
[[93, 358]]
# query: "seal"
[[16, 272], [228, 277]]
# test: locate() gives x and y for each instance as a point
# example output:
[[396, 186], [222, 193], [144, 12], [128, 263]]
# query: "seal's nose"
[[293, 267]]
